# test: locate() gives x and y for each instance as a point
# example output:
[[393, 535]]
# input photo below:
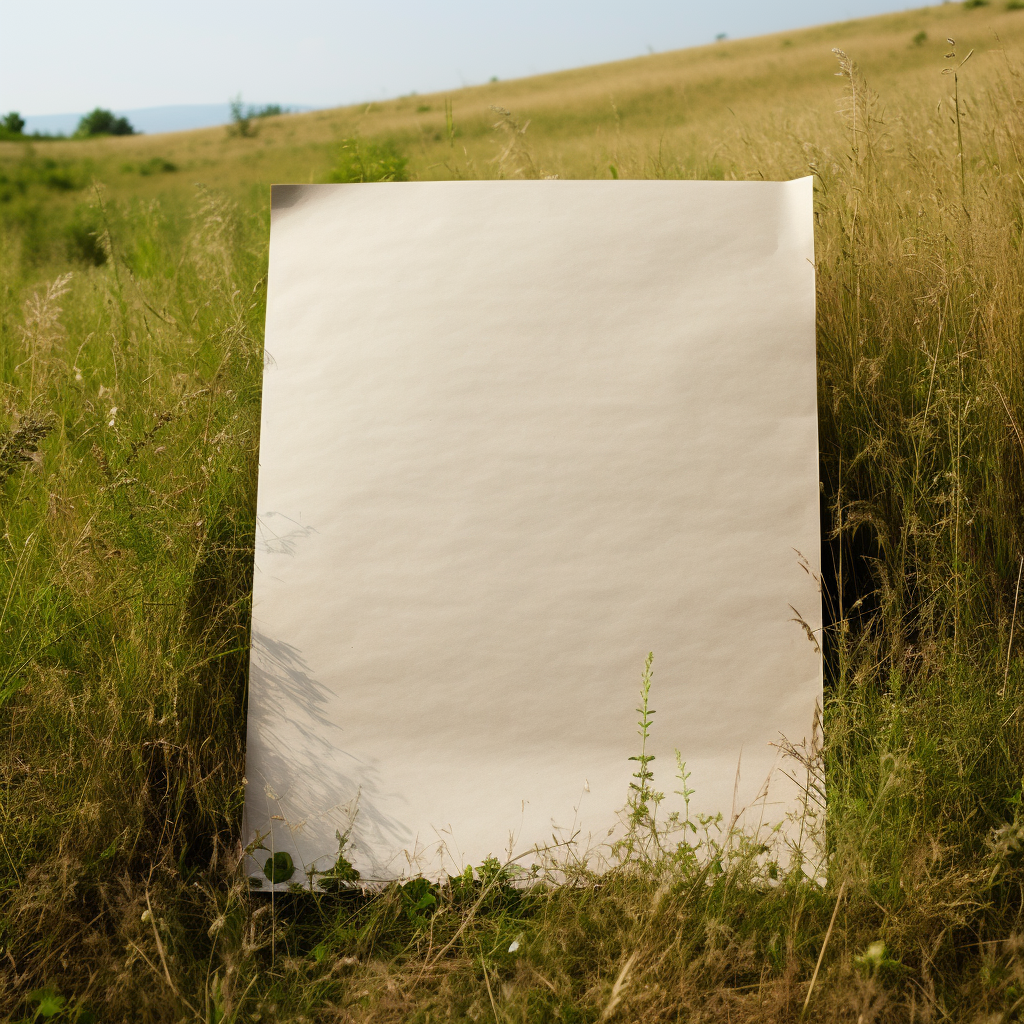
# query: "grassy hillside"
[[131, 306], [663, 113], [682, 112]]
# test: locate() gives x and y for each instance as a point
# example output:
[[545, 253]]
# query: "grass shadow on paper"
[[296, 752]]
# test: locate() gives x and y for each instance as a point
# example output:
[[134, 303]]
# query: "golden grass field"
[[132, 291], [697, 105]]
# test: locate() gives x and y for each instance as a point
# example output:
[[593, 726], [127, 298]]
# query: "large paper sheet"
[[515, 436]]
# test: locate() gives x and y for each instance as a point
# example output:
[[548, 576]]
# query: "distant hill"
[[150, 120]]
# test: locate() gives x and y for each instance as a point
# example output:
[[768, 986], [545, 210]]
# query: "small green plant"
[[492, 877], [642, 794], [418, 902], [493, 873], [279, 867], [461, 886], [361, 160], [241, 120], [342, 874], [642, 805], [686, 792], [84, 236], [242, 117], [920, 38], [216, 1000], [649, 841], [48, 1004], [969, 5], [875, 960], [154, 165], [449, 123]]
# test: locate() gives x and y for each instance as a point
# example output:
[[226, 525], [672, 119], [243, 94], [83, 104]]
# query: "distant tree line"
[[97, 122], [102, 122]]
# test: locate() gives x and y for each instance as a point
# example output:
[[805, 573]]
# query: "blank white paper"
[[516, 435]]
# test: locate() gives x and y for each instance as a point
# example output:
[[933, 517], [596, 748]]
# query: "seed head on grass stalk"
[[954, 71], [42, 331]]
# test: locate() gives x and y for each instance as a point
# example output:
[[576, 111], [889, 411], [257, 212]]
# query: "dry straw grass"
[[128, 442]]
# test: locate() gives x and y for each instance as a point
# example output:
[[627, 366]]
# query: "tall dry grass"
[[128, 445]]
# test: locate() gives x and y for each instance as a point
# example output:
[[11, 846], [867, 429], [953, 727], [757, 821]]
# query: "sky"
[[66, 55]]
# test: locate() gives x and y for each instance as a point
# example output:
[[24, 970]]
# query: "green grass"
[[129, 406]]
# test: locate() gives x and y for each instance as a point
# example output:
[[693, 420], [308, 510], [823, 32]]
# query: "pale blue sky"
[[67, 55]]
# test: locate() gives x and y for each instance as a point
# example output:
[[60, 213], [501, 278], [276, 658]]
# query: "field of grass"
[[132, 285]]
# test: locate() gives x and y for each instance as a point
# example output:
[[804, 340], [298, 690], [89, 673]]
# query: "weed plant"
[[368, 160], [129, 408], [244, 120]]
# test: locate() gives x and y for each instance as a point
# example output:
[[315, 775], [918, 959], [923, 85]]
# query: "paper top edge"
[[283, 196]]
